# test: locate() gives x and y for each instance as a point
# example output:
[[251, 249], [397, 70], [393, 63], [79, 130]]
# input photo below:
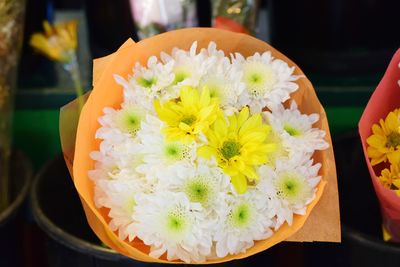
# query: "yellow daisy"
[[384, 143], [191, 115], [239, 145], [391, 178], [58, 42]]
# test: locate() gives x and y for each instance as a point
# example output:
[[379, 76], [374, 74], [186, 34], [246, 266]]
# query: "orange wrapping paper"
[[324, 221], [385, 98]]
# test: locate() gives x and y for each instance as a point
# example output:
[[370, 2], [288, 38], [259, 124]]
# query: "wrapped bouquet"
[[379, 129], [201, 146]]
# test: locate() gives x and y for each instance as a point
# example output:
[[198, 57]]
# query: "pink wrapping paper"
[[385, 99]]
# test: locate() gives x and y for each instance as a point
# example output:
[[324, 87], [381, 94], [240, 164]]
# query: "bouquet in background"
[[202, 146], [157, 16], [379, 129], [236, 15], [59, 43]]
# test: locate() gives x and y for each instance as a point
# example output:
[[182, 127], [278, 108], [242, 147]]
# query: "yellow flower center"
[[393, 140], [230, 149], [189, 120]]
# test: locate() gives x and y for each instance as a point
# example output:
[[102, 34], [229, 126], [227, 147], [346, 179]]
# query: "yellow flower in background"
[[384, 143], [191, 115], [239, 145], [391, 178], [58, 42]]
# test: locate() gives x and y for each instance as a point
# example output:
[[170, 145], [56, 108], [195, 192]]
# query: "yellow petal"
[[253, 122], [206, 152], [240, 183], [392, 122], [233, 124], [185, 127], [250, 173], [220, 128], [165, 114], [376, 129], [205, 97], [253, 137], [243, 115], [376, 141], [48, 30], [189, 96], [206, 112], [376, 161], [394, 157]]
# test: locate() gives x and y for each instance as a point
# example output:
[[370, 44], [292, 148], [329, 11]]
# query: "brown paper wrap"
[[323, 224]]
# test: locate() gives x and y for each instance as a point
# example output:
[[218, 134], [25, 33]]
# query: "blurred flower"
[[58, 42]]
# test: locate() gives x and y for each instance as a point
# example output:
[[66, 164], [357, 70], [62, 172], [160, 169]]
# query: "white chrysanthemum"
[[267, 80], [212, 51], [109, 133], [188, 66], [290, 187], [296, 130], [148, 84], [127, 119], [105, 166], [224, 81], [161, 157], [203, 183], [245, 220], [169, 223], [119, 196]]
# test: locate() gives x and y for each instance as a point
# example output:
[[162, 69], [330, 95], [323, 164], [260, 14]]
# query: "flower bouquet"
[[379, 129], [202, 146]]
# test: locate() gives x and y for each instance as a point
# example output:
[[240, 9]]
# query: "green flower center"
[[176, 221], [189, 120], [230, 149], [292, 188], [130, 204], [241, 215], [128, 121], [291, 130], [175, 151], [259, 78], [180, 76], [147, 83], [393, 140], [254, 78], [198, 190], [214, 92]]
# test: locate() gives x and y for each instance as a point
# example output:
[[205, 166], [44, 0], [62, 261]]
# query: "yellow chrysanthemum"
[[239, 145], [384, 143], [191, 115], [391, 178], [58, 42]]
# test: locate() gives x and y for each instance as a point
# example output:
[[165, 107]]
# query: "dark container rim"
[[60, 235], [350, 232], [26, 171]]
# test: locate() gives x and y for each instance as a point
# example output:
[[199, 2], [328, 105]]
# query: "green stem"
[[73, 68]]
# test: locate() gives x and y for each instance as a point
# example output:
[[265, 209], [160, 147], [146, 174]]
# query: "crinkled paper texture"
[[385, 98], [323, 224]]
